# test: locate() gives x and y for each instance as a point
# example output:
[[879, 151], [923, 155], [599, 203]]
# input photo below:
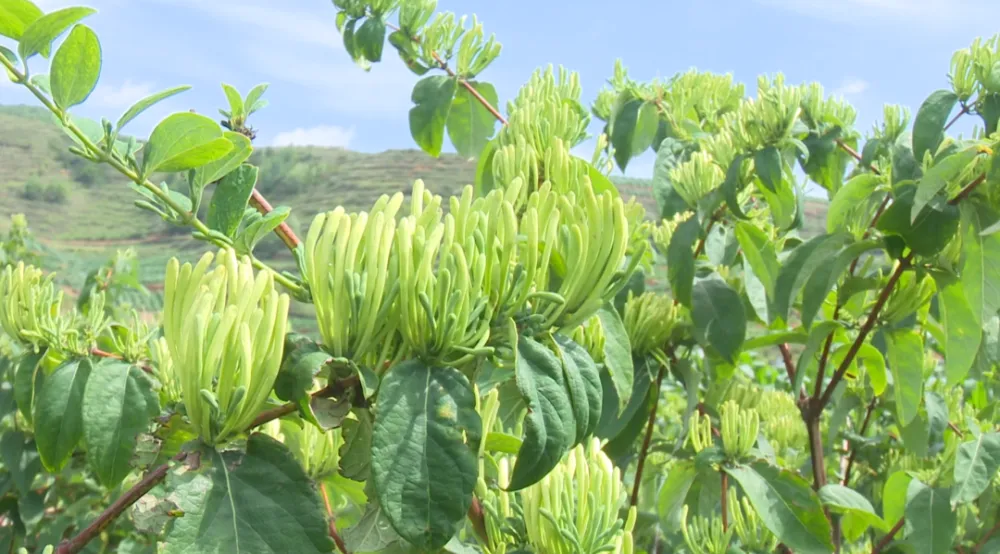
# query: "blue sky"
[[870, 51]]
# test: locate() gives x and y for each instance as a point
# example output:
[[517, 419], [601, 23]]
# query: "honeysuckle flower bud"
[[781, 422], [739, 429], [703, 535], [348, 265], [575, 508], [700, 431], [663, 232], [910, 294], [697, 177], [225, 330], [316, 450], [170, 391], [590, 335], [753, 535], [28, 301], [649, 320]]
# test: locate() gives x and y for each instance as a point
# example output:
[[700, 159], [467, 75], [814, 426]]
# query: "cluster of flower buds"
[[28, 301], [739, 429], [911, 293], [225, 330], [705, 535], [590, 335], [575, 508], [768, 119], [649, 320], [700, 432], [753, 535], [781, 422], [316, 450], [972, 69], [170, 391], [695, 178]]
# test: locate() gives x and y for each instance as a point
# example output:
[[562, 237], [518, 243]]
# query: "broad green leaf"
[[980, 268], [373, 533], [894, 496], [758, 250], [680, 259], [184, 141], [775, 338], [906, 361], [730, 187], [470, 124], [976, 464], [236, 107], [926, 235], [370, 38], [432, 97], [826, 275], [29, 378], [827, 162], [211, 172], [937, 178], [230, 199], [787, 506], [259, 227], [355, 452], [962, 333], [253, 102], [719, 319], [669, 155], [674, 491], [118, 404], [930, 521], [840, 499], [785, 204], [646, 124], [617, 354], [875, 365], [146, 103], [38, 36], [583, 383], [502, 442], [260, 502], [928, 126], [16, 16], [623, 125], [58, 413], [599, 182], [549, 427], [798, 267], [19, 459], [767, 164], [854, 195], [76, 67], [427, 423], [613, 424], [303, 360]]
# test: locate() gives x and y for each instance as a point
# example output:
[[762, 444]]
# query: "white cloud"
[[937, 13], [121, 96], [851, 86], [321, 135]]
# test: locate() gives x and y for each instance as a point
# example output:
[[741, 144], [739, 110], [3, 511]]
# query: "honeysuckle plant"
[[490, 373]]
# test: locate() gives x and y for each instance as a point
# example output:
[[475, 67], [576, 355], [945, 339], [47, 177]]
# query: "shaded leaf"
[[674, 491], [680, 259], [906, 361], [962, 333], [719, 319], [937, 178], [840, 499], [432, 97], [826, 275], [976, 464], [58, 414], [230, 199], [928, 125], [583, 383], [767, 164], [470, 124], [798, 267], [617, 354], [930, 521]]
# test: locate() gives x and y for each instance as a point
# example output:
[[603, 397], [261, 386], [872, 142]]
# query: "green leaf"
[[259, 227], [784, 204], [613, 424], [370, 38], [502, 442], [617, 354], [432, 97], [928, 126], [19, 459], [184, 141], [146, 103], [962, 333], [118, 404], [624, 124], [550, 427], [767, 164], [355, 452], [730, 187], [230, 199], [253, 101], [827, 161], [261, 502], [680, 259], [798, 267], [58, 413], [584, 385], [669, 155], [599, 182], [16, 16], [976, 464], [213, 171], [854, 195], [787, 506], [76, 67], [470, 124], [980, 268], [930, 521], [937, 178], [303, 360], [719, 319], [236, 107], [646, 124], [826, 275], [29, 377], [906, 360], [426, 422], [758, 250], [874, 364], [894, 496], [842, 500], [38, 36], [926, 235], [373, 533], [673, 493]]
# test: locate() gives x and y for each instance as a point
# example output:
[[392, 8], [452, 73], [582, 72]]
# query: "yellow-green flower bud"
[[590, 335], [703, 535], [318, 452], [739, 429], [753, 535], [697, 177], [170, 391], [700, 431], [225, 330], [28, 302], [575, 508], [649, 320]]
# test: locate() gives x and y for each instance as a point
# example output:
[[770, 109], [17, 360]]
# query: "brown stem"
[[889, 537], [846, 477], [816, 453], [333, 389], [122, 503], [866, 328], [102, 354], [333, 522], [854, 153], [283, 231], [786, 357], [982, 542], [650, 423], [478, 520], [725, 500], [965, 109], [965, 192]]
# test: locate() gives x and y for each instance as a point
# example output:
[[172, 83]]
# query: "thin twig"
[[333, 521], [888, 538], [644, 452], [965, 192], [111, 355], [854, 153], [478, 521], [965, 109], [982, 542]]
